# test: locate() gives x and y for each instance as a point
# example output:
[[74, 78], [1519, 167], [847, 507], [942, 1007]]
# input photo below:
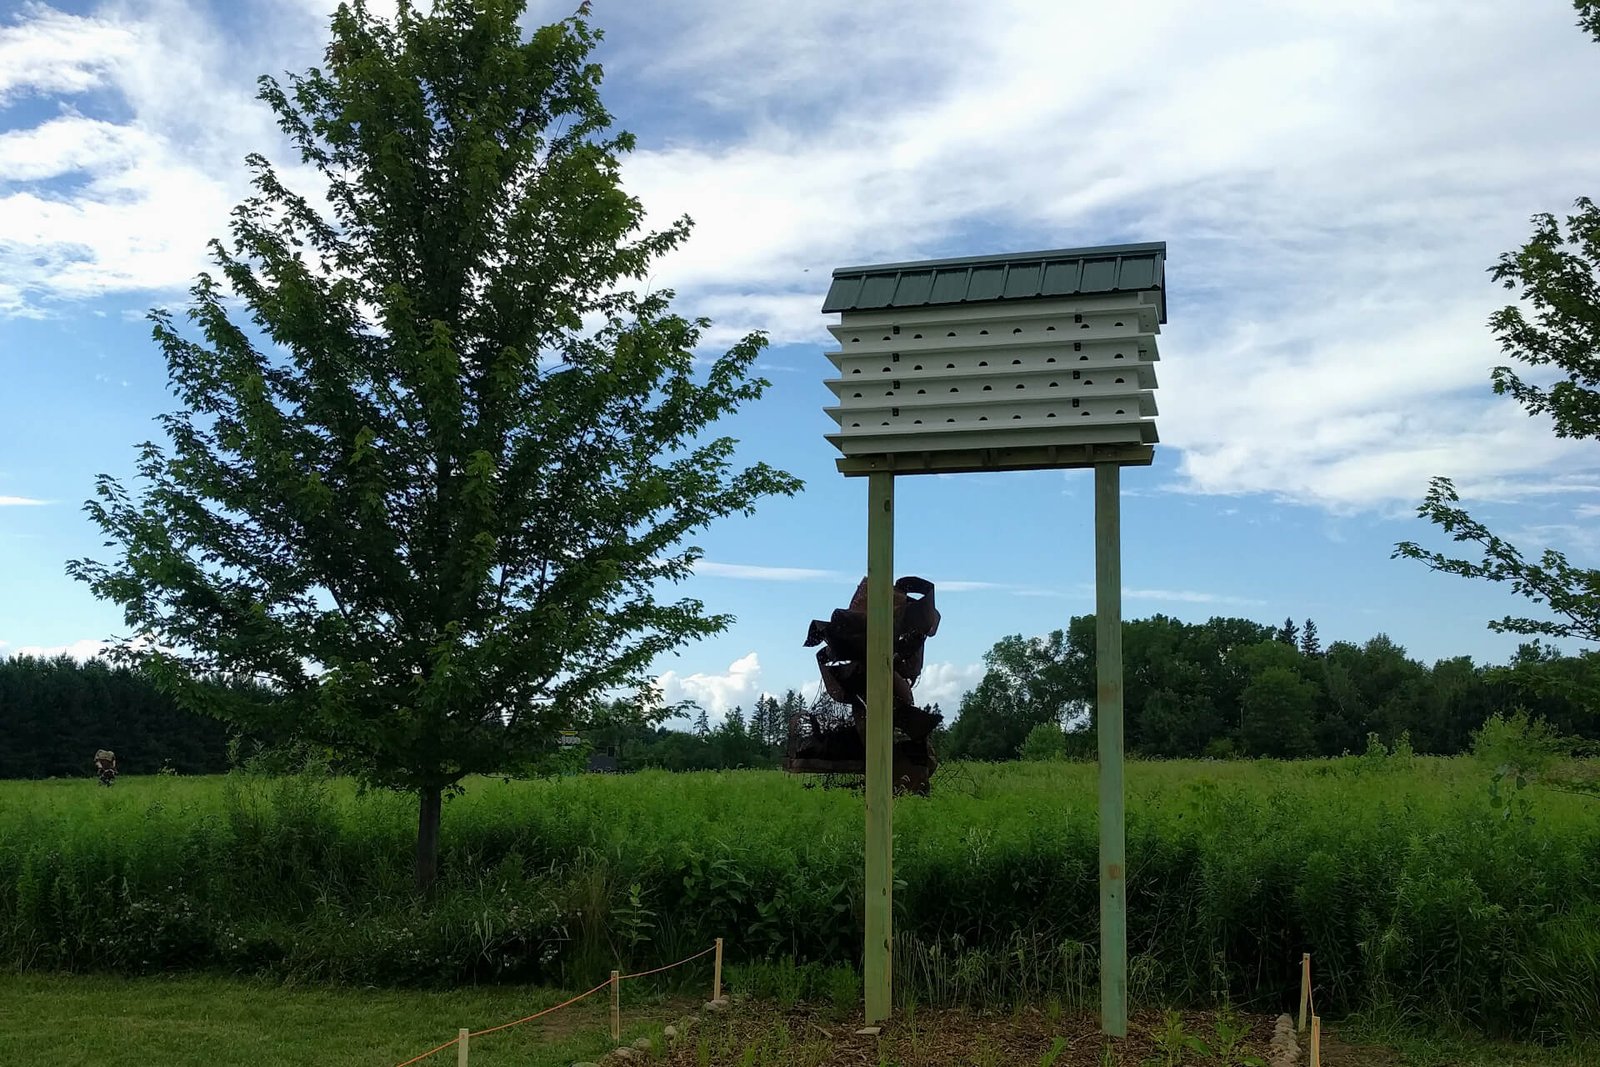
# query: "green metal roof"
[[1017, 276]]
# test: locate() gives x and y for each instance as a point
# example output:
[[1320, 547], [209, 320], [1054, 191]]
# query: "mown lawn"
[[218, 1022]]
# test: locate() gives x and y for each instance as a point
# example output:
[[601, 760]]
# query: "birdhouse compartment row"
[[1033, 385], [1092, 326], [1136, 349], [933, 410], [865, 374]]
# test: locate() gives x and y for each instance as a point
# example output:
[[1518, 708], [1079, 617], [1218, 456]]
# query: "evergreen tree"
[[793, 704], [413, 490], [702, 724], [1310, 644], [764, 720], [1289, 633], [54, 714]]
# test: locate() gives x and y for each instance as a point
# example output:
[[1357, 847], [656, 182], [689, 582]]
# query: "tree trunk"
[[428, 838]]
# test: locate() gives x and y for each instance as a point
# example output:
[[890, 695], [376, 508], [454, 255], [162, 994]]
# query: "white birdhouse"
[[1012, 362]]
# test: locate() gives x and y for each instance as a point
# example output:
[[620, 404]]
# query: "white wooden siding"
[[1043, 372]]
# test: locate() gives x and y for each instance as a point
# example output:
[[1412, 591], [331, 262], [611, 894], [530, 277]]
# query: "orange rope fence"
[[668, 967], [609, 983], [418, 1059], [547, 1011]]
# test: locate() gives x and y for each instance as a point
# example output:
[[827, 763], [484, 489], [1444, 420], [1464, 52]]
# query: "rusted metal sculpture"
[[835, 743]]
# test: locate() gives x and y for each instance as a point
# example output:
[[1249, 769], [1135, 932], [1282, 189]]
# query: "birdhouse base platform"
[[1025, 458]]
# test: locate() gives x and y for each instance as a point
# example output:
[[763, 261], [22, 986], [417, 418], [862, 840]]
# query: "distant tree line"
[[755, 739], [1225, 687], [54, 714], [1233, 687]]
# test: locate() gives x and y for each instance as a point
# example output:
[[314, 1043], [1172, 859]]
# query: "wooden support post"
[[1316, 1041], [879, 948], [1305, 988], [462, 1036], [1108, 725], [716, 973], [616, 1007]]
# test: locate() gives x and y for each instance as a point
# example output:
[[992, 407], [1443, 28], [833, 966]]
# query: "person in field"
[[105, 766]]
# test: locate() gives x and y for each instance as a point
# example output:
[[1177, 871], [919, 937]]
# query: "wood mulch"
[[754, 1035]]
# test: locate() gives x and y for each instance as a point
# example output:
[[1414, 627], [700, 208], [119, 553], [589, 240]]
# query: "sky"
[[1332, 180]]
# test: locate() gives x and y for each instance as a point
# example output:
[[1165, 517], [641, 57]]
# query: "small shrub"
[[1518, 746], [842, 986], [1045, 742]]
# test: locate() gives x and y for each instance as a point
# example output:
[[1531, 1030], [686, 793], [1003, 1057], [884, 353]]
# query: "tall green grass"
[[1413, 887]]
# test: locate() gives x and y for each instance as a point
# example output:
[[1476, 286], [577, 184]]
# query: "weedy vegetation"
[[1431, 888]]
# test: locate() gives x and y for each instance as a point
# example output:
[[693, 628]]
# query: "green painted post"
[[879, 949], [1108, 721]]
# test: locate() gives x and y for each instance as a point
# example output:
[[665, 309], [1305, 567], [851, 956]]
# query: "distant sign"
[[569, 738]]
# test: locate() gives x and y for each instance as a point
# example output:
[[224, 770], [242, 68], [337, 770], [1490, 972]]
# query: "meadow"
[[1421, 887]]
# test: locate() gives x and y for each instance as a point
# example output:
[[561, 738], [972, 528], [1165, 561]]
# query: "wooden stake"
[[878, 951], [1108, 727], [461, 1046], [1316, 1041], [1305, 988], [616, 1007], [716, 974]]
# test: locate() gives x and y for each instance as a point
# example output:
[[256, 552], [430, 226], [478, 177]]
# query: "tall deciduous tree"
[[1027, 681], [431, 489], [1276, 711], [1556, 274]]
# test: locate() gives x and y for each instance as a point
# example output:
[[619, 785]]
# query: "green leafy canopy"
[[431, 490], [1557, 329], [1557, 275]]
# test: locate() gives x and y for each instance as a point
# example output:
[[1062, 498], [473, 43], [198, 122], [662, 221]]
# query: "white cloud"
[[1189, 596], [945, 684], [1332, 185], [68, 144], [89, 206], [85, 649], [1579, 541], [1182, 596], [21, 502], [758, 573], [1328, 237], [740, 685], [48, 51], [750, 572]]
